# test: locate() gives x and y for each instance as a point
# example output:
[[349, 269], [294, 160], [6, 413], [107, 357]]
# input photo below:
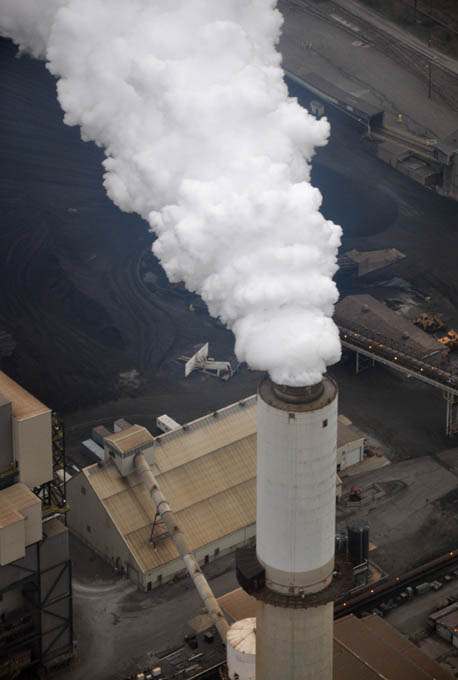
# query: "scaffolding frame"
[[22, 643], [53, 494]]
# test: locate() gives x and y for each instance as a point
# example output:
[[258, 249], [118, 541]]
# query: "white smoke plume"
[[201, 139]]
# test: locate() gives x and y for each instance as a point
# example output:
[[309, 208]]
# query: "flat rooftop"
[[335, 95], [23, 404], [347, 433]]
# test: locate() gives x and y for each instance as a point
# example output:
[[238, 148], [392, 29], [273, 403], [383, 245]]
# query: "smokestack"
[[296, 479]]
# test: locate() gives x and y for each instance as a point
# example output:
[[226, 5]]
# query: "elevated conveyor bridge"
[[376, 347]]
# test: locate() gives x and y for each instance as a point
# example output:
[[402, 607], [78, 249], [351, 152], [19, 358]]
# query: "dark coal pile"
[[72, 297]]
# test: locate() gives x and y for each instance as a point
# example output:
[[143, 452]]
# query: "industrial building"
[[363, 649], [35, 573], [365, 313], [445, 622], [207, 471]]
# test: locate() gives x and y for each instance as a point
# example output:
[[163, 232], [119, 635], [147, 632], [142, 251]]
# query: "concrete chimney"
[[296, 492]]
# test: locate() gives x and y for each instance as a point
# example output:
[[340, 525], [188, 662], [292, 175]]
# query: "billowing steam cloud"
[[201, 139]]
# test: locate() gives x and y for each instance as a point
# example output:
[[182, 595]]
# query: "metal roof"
[[365, 310], [19, 496], [23, 404], [347, 434], [206, 434], [377, 646], [126, 440], [206, 471]]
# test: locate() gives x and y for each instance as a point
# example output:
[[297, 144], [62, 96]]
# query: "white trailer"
[[167, 424]]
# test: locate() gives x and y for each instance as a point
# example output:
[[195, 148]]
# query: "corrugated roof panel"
[[348, 667], [391, 638], [236, 508], [128, 513], [106, 480], [206, 435], [378, 644], [131, 438], [147, 555], [201, 523], [214, 472]]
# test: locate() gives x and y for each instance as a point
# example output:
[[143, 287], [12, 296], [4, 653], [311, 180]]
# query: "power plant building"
[[25, 431], [206, 470], [36, 629], [365, 648]]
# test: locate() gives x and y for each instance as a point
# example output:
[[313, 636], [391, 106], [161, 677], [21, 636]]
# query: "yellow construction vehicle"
[[450, 340], [429, 323]]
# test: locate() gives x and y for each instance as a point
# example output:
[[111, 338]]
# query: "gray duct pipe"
[[163, 508]]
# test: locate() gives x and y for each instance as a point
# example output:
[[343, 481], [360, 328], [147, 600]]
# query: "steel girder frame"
[[36, 639]]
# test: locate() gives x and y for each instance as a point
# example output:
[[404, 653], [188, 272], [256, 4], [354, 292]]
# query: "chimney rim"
[[311, 398]]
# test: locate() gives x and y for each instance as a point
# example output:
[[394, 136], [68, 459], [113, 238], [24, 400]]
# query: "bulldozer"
[[450, 340], [429, 323]]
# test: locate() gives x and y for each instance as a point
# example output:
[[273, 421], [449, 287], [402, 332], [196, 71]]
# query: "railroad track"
[[443, 81], [374, 594], [409, 142]]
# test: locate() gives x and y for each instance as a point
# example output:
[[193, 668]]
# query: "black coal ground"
[[73, 298]]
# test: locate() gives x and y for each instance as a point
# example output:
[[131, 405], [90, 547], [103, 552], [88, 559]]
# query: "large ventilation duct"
[[188, 557]]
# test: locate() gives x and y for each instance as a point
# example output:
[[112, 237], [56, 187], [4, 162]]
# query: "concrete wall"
[[88, 519], [32, 446], [12, 538], [294, 644], [350, 454], [207, 553]]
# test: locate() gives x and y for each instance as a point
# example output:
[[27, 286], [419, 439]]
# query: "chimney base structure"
[[293, 574]]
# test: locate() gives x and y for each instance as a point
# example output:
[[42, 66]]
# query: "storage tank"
[[358, 541], [241, 650]]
